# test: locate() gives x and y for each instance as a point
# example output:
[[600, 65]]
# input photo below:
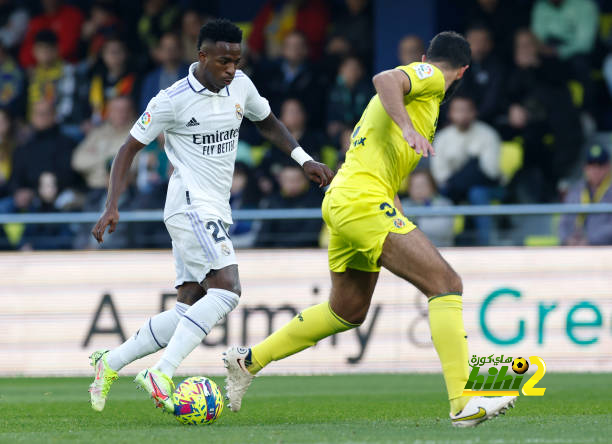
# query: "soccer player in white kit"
[[200, 116]]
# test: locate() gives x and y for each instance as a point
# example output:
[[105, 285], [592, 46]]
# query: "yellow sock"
[[450, 340], [303, 331]]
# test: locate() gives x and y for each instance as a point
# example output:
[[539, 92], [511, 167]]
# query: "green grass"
[[321, 409]]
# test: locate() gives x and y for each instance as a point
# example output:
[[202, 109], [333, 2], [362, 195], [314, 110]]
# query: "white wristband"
[[300, 156]]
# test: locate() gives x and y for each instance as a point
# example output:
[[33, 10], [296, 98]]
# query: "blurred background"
[[530, 124]]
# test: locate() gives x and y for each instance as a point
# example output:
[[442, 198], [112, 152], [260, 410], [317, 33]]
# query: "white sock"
[[194, 326], [152, 336]]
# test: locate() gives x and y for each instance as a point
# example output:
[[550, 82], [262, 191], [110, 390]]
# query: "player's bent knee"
[[454, 284], [356, 317], [189, 293], [229, 284], [446, 283], [457, 284]]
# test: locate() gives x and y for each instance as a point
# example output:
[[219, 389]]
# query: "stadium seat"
[[510, 159], [576, 92], [329, 156], [14, 232]]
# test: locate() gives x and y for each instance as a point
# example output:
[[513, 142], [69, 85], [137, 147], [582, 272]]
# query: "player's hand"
[[419, 143], [109, 218], [318, 173]]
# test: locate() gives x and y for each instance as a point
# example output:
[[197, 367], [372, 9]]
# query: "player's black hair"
[[450, 47], [46, 36], [220, 30]]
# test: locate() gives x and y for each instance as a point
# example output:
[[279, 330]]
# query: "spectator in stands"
[[410, 49], [345, 140], [244, 195], [102, 143], [46, 150], [64, 20], [590, 229], [54, 80], [112, 78], [606, 71], [11, 83], [466, 164], [567, 29], [46, 236], [295, 192], [13, 23], [484, 80], [292, 75], [355, 26], [7, 146], [538, 105], [171, 68], [503, 19], [294, 116], [102, 23], [153, 173], [423, 192], [159, 17], [278, 18], [348, 97], [190, 30], [95, 201]]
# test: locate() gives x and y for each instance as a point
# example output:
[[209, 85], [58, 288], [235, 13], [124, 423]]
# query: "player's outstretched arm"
[[276, 132], [118, 181], [392, 85]]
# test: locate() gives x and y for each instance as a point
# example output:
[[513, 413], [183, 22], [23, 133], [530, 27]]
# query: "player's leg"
[[209, 258], [156, 332], [222, 296], [347, 308], [413, 257], [154, 335]]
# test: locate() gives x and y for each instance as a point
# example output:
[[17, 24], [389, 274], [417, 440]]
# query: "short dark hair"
[[450, 47], [220, 30], [46, 36]]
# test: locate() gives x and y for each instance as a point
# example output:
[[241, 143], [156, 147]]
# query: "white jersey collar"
[[197, 87]]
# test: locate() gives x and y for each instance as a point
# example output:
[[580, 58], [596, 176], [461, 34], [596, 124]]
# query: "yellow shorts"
[[359, 223]]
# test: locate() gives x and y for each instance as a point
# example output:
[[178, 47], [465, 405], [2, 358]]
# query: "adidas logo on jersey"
[[193, 122]]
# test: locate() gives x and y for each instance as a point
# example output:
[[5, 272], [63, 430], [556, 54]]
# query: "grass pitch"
[[307, 409]]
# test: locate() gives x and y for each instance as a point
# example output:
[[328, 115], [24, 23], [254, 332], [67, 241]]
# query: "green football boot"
[[159, 386], [105, 376]]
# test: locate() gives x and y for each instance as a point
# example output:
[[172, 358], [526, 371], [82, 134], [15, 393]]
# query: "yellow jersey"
[[379, 159]]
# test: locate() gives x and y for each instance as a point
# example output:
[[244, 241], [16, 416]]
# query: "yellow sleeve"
[[422, 79]]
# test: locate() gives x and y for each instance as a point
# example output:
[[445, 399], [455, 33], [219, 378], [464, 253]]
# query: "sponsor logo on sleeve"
[[423, 70], [144, 120]]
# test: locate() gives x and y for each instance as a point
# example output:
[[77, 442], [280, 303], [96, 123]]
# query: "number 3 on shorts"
[[214, 228]]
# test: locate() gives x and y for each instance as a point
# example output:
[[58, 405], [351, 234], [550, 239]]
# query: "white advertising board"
[[556, 303]]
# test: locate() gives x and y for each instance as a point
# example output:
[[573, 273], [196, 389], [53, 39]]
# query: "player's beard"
[[452, 89]]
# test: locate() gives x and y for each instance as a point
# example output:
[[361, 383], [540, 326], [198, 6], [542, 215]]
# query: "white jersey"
[[201, 138]]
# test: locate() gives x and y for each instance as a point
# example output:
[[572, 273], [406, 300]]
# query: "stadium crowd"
[[532, 110]]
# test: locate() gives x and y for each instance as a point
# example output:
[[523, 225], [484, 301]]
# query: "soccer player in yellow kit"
[[368, 230]]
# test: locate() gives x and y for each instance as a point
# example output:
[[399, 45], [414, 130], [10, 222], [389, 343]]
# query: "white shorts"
[[199, 244]]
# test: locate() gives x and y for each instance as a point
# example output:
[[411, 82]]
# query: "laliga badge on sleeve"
[[423, 70]]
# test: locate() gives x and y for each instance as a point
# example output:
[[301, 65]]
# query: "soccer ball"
[[520, 365], [197, 400]]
